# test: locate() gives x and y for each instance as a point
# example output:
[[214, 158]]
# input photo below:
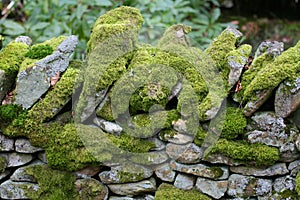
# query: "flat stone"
[[144, 197], [125, 173], [16, 159], [288, 152], [252, 106], [294, 167], [247, 186], [17, 190], [277, 169], [179, 138], [150, 158], [215, 189], [90, 188], [201, 170], [189, 153], [6, 144], [184, 182], [23, 146], [287, 97], [284, 183], [266, 137], [272, 48], [221, 159], [108, 126], [165, 173], [42, 156], [88, 172], [134, 188], [159, 145], [20, 174]]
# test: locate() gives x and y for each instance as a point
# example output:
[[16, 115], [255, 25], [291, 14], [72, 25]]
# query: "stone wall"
[[141, 122]]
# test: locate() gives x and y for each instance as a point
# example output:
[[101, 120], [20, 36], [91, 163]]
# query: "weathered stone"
[[179, 138], [201, 170], [189, 153], [20, 175], [5, 174], [24, 146], [297, 143], [215, 189], [150, 159], [120, 198], [284, 183], [125, 173], [247, 186], [90, 188], [266, 137], [6, 144], [42, 156], [287, 98], [180, 125], [108, 127], [184, 182], [17, 159], [159, 145], [88, 172], [221, 159], [6, 81], [144, 197], [17, 190], [268, 121], [288, 152], [24, 39], [272, 48], [3, 163], [165, 173], [277, 169], [134, 188], [254, 105]]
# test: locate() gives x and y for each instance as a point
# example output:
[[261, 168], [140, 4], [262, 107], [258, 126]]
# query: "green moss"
[[298, 184], [167, 133], [90, 189], [8, 113], [53, 184], [216, 172], [252, 154], [199, 137], [3, 164], [170, 192], [105, 112], [287, 194], [39, 51]]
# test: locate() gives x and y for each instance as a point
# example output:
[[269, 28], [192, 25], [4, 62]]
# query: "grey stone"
[[90, 188], [17, 190], [189, 153], [247, 186], [180, 126], [120, 198], [6, 82], [17, 159], [159, 145], [297, 143], [272, 48], [277, 169], [24, 39], [294, 167], [144, 197], [253, 105], [165, 173], [184, 182], [6, 144], [287, 98], [108, 127], [288, 152], [20, 174], [134, 188], [5, 174], [23, 146], [284, 183], [42, 156], [150, 158], [87, 172], [268, 121], [266, 137], [179, 138], [125, 173], [221, 159], [215, 189], [201, 170]]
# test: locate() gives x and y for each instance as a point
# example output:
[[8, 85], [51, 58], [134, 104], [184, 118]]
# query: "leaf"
[[13, 28], [104, 3], [39, 25], [215, 15]]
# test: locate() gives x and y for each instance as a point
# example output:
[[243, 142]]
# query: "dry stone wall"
[[136, 121]]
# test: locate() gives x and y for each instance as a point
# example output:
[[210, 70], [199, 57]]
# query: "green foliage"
[[298, 183], [39, 51]]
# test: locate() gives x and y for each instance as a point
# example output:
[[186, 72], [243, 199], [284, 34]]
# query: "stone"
[[6, 144], [108, 127], [184, 182], [144, 197], [294, 167], [5, 174], [247, 186], [201, 170], [189, 153], [150, 158], [284, 183], [33, 82], [266, 137], [272, 48], [215, 189], [17, 159], [277, 169], [159, 145], [23, 146], [287, 97], [288, 152], [90, 188], [179, 138], [125, 173], [17, 190], [180, 125], [221, 159], [136, 188], [253, 105], [88, 172], [42, 156], [20, 175], [165, 173], [297, 143], [268, 121], [24, 39]]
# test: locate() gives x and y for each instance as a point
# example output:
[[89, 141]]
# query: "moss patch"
[[170, 192], [8, 113], [3, 164], [298, 184], [39, 51]]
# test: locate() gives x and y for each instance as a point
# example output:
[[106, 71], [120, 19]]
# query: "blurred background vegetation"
[[43, 20]]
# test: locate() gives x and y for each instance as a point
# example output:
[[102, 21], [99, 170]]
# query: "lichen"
[[170, 192]]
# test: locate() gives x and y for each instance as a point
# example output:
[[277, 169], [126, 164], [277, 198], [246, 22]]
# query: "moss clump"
[[90, 189], [8, 113], [167, 133], [216, 172], [170, 192], [298, 184], [3, 164], [200, 136], [39, 51], [253, 154], [53, 184], [105, 112]]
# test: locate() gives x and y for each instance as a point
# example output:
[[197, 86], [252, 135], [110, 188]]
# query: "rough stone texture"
[[221, 159], [42, 156], [288, 152], [17, 190], [134, 188], [277, 169], [4, 174], [284, 183], [179, 138], [297, 143], [159, 145], [24, 146], [215, 189], [6, 144], [88, 172], [151, 158], [90, 188], [165, 173], [189, 153], [17, 159], [24, 39], [20, 174], [184, 182], [108, 127], [266, 137], [294, 168], [247, 186], [128, 172], [273, 48]]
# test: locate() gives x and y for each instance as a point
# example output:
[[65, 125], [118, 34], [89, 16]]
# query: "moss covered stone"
[[39, 51], [3, 164], [298, 184], [170, 192]]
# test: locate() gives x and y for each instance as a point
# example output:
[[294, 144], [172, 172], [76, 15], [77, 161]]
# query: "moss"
[[216, 172], [200, 136], [3, 164], [298, 184], [286, 194], [252, 154], [39, 51], [105, 112], [8, 113], [170, 192], [268, 78], [90, 189], [167, 133], [53, 184], [130, 173]]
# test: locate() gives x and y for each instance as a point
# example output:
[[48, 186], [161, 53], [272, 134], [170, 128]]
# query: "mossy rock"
[[39, 51], [170, 192], [298, 184], [3, 164]]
